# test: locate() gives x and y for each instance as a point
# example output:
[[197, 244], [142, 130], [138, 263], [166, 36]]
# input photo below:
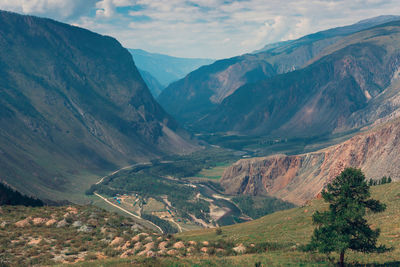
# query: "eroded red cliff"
[[299, 178]]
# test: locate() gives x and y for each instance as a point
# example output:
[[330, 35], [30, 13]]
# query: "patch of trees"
[[9, 196], [192, 164], [383, 180], [199, 208], [147, 185], [164, 225], [256, 207]]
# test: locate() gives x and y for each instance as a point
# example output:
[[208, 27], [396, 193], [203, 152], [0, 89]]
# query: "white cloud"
[[58, 9], [205, 28]]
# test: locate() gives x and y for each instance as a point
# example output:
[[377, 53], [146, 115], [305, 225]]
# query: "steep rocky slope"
[[299, 178], [332, 94], [72, 102], [203, 90], [191, 98], [152, 83]]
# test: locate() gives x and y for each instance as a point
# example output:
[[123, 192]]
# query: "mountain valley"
[[118, 157]]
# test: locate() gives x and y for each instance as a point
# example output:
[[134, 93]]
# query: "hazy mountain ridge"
[[152, 83], [72, 101], [320, 98], [199, 92], [164, 68], [202, 87]]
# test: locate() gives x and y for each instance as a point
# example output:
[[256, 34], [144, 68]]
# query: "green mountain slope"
[[289, 229], [72, 104]]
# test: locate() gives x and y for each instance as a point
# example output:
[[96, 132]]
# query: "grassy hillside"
[[282, 233], [293, 227]]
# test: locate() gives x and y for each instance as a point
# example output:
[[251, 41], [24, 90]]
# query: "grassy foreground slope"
[[285, 231], [294, 227]]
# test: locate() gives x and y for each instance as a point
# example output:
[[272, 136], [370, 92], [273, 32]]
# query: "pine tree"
[[343, 226], [371, 182]]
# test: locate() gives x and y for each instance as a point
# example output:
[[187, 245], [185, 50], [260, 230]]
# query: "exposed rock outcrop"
[[299, 178]]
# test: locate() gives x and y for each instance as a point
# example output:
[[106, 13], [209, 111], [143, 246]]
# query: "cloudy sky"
[[204, 28]]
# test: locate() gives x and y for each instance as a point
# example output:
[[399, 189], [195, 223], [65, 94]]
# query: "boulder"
[[190, 249], [204, 249], [192, 243], [50, 222], [117, 241], [172, 252], [62, 223], [38, 221], [35, 241], [23, 223], [77, 224], [149, 246], [136, 238], [240, 249], [72, 210], [179, 245], [137, 246], [163, 245], [127, 253], [84, 228], [126, 245], [142, 253], [150, 253]]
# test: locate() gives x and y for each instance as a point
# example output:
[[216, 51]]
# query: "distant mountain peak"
[[379, 19], [164, 68]]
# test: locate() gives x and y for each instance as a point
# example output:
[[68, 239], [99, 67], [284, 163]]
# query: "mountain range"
[[165, 69], [73, 104], [319, 84]]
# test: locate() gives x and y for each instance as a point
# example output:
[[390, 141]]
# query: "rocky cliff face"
[[299, 178], [72, 101]]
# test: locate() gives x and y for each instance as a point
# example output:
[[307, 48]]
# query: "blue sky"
[[204, 28]]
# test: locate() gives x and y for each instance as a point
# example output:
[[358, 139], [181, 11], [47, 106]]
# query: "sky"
[[204, 28]]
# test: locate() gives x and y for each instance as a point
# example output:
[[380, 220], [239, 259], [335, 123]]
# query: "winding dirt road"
[[128, 212], [120, 208]]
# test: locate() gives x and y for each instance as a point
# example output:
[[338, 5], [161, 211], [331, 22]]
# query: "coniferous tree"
[[9, 196], [371, 182], [343, 226]]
